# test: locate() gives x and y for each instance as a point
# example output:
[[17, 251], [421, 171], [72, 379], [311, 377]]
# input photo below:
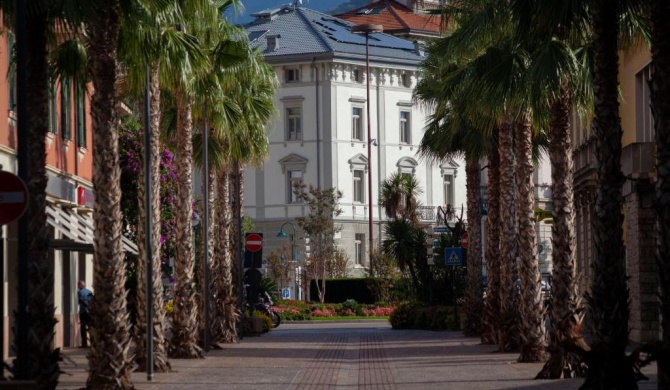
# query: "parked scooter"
[[264, 307]]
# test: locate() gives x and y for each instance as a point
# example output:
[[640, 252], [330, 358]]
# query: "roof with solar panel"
[[301, 31]]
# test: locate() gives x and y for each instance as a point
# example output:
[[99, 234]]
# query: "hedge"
[[340, 290]]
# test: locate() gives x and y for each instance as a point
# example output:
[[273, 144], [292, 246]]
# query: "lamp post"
[[282, 233], [368, 29]]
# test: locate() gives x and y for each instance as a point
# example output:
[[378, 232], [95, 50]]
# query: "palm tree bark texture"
[[41, 361], [184, 321], [207, 235], [660, 98], [110, 365], [508, 335], [474, 305], [531, 325], [161, 363], [237, 180], [609, 367], [224, 313], [492, 322], [565, 316]]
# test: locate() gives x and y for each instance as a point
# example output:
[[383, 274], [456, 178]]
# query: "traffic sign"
[[440, 229], [254, 242], [464, 240], [286, 293], [13, 197], [453, 256]]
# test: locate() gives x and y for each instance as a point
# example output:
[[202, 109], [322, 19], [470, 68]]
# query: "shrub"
[[267, 321], [351, 304], [415, 315]]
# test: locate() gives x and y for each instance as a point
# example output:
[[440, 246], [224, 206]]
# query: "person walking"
[[85, 297]]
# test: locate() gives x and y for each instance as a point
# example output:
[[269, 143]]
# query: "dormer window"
[[292, 75]]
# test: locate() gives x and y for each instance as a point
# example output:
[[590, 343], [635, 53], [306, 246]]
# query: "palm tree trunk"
[[660, 99], [492, 319], [185, 325], [608, 300], [41, 364], [474, 305], [237, 179], [209, 236], [532, 329], [161, 363], [225, 317], [109, 363], [566, 320], [508, 335]]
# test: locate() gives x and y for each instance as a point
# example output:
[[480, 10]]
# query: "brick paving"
[[344, 356]]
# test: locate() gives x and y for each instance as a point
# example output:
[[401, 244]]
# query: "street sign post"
[[453, 256], [464, 240], [13, 197], [254, 242]]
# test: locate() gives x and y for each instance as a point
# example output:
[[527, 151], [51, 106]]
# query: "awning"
[[76, 224]]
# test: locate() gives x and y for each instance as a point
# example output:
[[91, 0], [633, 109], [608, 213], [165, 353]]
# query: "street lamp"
[[368, 29], [282, 234]]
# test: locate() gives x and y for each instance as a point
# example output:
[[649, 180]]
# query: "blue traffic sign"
[[286, 293], [453, 256], [441, 229]]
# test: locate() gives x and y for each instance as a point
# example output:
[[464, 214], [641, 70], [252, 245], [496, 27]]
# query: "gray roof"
[[305, 32]]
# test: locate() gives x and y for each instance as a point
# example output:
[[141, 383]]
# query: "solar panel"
[[376, 11], [363, 11], [341, 32], [256, 34]]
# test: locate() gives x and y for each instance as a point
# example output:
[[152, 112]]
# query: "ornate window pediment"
[[358, 162], [407, 165], [293, 162], [449, 168]]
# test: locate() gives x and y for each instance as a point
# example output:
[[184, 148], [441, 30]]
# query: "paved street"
[[362, 355]]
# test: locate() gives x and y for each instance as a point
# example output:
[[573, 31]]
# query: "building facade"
[[320, 136], [638, 159], [70, 194]]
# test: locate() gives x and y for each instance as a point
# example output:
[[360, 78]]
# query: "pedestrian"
[[85, 297]]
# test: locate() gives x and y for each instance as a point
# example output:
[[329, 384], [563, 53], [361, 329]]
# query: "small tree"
[[319, 225], [337, 266], [382, 278], [280, 265]]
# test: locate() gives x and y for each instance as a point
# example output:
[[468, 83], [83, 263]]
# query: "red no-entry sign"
[[254, 242], [13, 197], [464, 241]]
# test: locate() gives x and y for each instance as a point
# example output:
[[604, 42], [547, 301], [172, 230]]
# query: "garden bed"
[[291, 310]]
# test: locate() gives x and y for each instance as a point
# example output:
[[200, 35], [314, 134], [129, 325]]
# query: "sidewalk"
[[363, 355]]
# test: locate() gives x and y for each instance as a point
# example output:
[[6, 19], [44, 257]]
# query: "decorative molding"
[[292, 99], [407, 165], [293, 162], [357, 99], [358, 161], [449, 168], [404, 103]]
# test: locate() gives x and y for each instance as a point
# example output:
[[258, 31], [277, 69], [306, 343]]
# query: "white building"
[[320, 136]]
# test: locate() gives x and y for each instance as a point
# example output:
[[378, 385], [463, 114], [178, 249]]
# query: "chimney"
[[273, 42]]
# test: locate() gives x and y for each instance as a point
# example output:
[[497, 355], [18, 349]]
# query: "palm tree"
[[448, 135], [660, 84], [492, 324], [398, 196], [38, 357], [608, 366], [110, 365]]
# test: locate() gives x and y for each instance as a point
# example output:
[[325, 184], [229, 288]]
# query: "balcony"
[[427, 213], [638, 160]]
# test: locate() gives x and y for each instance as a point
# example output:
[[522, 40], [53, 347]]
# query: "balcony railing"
[[427, 213]]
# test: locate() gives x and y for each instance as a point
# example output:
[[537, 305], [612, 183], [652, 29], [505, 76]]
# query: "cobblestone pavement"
[[338, 356]]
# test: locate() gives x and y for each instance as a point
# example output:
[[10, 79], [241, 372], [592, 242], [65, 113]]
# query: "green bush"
[[267, 321], [413, 315]]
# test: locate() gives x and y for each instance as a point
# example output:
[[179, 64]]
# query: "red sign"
[[13, 197], [464, 241], [254, 242]]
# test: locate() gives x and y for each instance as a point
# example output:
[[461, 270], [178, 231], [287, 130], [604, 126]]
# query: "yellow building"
[[638, 159]]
